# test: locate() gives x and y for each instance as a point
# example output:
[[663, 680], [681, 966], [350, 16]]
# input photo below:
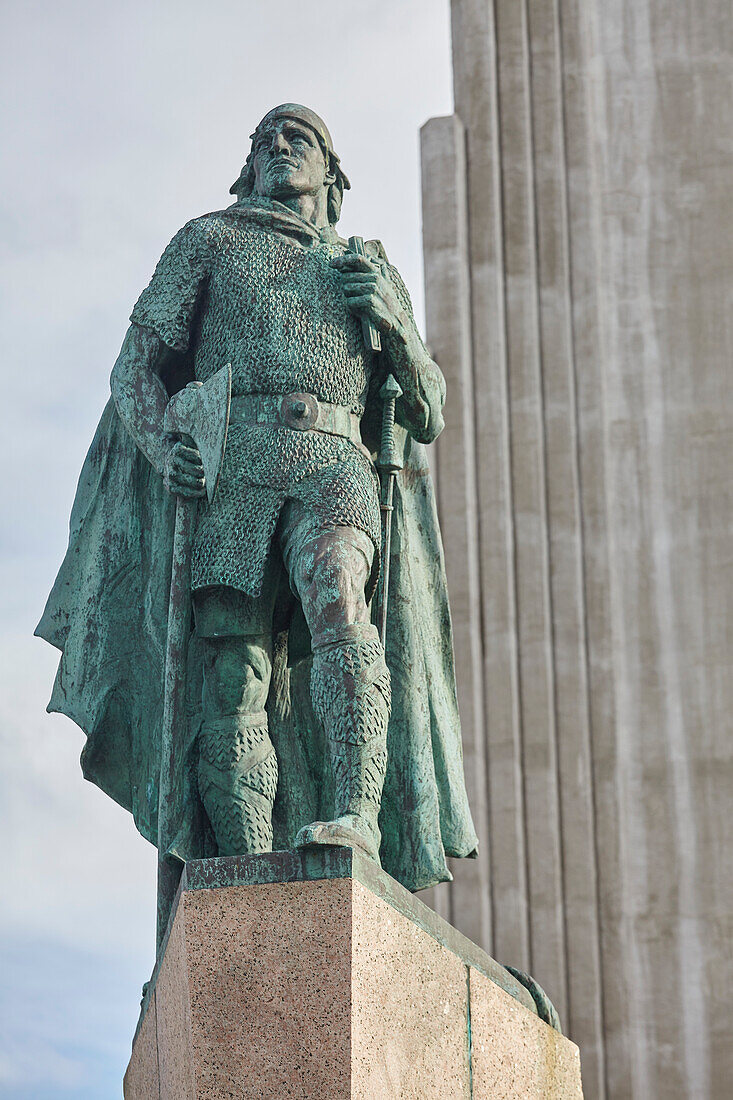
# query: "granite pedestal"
[[316, 975]]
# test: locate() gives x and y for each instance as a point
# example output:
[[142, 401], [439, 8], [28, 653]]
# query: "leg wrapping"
[[350, 688], [350, 685], [237, 782]]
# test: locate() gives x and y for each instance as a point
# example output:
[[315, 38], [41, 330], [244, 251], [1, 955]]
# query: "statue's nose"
[[279, 143]]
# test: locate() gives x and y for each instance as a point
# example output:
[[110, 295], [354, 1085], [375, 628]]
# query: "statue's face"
[[288, 160]]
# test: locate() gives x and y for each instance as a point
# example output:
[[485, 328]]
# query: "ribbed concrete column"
[[579, 274], [448, 297]]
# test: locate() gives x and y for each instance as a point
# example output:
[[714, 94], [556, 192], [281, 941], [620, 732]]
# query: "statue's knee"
[[332, 581], [236, 676]]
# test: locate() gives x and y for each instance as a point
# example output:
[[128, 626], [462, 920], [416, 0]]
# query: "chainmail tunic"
[[263, 296]]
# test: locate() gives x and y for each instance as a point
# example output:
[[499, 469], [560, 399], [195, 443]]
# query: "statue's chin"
[[286, 193], [282, 182], [283, 192], [281, 175]]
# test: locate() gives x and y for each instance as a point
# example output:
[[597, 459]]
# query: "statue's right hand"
[[184, 472]]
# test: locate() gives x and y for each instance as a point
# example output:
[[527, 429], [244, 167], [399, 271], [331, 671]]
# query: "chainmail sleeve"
[[167, 306]]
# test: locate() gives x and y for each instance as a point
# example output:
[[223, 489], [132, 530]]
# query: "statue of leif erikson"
[[252, 612]]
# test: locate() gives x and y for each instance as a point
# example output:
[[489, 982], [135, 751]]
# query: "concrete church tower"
[[578, 214]]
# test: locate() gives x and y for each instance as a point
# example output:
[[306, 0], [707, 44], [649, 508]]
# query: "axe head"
[[201, 411]]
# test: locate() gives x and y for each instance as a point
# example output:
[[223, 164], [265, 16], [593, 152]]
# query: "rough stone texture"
[[514, 1055], [172, 1000], [321, 863], [583, 193], [270, 994], [316, 985], [408, 1008], [142, 1078]]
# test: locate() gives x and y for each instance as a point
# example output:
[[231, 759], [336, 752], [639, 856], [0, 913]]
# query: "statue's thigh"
[[328, 566], [236, 635]]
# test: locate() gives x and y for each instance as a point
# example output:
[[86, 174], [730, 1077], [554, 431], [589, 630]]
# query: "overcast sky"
[[120, 122]]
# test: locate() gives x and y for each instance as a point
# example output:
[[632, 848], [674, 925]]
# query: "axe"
[[199, 413]]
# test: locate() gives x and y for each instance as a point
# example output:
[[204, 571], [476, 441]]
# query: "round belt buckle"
[[299, 411]]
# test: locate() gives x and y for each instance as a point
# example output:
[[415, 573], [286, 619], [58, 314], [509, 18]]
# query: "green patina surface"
[[297, 723], [219, 638]]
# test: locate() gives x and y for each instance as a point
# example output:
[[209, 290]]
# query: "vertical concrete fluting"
[[447, 288], [579, 283]]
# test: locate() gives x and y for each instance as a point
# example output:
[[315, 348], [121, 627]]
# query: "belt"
[[300, 411]]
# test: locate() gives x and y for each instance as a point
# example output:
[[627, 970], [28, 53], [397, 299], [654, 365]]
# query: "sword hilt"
[[372, 338], [390, 391]]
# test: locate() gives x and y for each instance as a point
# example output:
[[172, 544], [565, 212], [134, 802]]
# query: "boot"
[[350, 689], [237, 782]]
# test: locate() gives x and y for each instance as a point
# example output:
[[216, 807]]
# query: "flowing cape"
[[107, 613]]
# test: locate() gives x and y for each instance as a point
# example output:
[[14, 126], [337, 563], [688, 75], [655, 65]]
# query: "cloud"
[[60, 1038]]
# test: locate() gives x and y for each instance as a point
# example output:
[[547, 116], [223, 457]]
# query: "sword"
[[387, 463], [388, 466]]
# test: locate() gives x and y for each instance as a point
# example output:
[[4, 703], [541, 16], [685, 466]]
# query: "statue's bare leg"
[[237, 764], [350, 685]]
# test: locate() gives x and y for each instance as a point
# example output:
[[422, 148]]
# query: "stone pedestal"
[[316, 975]]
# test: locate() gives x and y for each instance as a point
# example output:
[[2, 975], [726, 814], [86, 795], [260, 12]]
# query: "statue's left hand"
[[369, 292], [183, 473]]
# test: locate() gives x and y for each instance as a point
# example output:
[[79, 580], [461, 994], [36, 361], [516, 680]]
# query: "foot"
[[344, 832]]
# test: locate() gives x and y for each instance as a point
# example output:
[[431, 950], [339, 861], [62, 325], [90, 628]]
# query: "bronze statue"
[[291, 719]]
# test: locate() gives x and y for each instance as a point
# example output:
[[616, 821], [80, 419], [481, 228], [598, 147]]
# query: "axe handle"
[[174, 703]]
